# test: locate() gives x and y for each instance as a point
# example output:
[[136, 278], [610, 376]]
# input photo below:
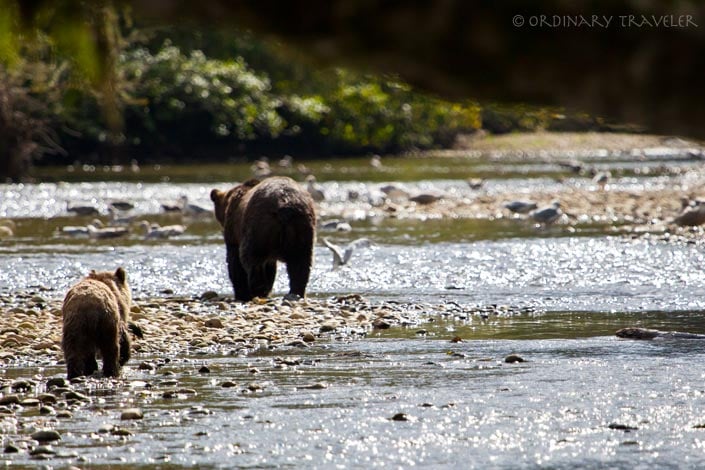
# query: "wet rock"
[[400, 417], [65, 414], [512, 358], [204, 370], [46, 410], [289, 361], [105, 428], [199, 410], [208, 295], [42, 450], [213, 323], [328, 327], [147, 366], [120, 432], [308, 337], [622, 427], [72, 395], [57, 382], [316, 386], [228, 384], [46, 435], [456, 339], [47, 398], [381, 324], [22, 385], [255, 387], [131, 413], [30, 402], [10, 400], [11, 449]]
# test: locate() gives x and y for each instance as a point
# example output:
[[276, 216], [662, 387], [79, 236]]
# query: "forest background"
[[186, 93]]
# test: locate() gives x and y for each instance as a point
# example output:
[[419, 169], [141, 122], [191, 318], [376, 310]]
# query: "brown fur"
[[265, 222], [96, 313]]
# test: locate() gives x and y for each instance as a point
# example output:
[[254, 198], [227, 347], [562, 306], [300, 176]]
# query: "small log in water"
[[646, 333]]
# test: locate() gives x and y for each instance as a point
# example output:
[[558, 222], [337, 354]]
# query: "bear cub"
[[265, 222], [95, 319]]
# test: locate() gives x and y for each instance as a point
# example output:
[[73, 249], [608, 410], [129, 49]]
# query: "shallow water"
[[464, 406]]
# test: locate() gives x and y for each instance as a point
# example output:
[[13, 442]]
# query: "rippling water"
[[464, 406], [581, 274]]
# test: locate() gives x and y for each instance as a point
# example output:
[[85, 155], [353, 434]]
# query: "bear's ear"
[[121, 275], [216, 195]]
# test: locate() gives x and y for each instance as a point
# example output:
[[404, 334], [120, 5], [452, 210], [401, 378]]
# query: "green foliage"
[[375, 114], [216, 99], [158, 99]]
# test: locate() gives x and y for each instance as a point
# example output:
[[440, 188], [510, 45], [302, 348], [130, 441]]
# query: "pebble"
[[72, 395], [512, 358], [43, 450], [213, 323], [46, 435], [105, 428], [10, 400], [316, 386], [400, 417], [131, 413], [622, 427], [57, 382], [47, 398], [208, 295]]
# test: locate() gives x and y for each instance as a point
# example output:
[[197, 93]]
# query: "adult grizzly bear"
[[95, 318], [265, 222]]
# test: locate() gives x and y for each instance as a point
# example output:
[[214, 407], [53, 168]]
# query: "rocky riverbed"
[[30, 324]]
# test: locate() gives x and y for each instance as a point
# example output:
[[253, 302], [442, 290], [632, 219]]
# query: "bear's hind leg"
[[109, 344], [90, 365], [262, 278], [237, 273], [299, 270], [124, 345], [76, 366]]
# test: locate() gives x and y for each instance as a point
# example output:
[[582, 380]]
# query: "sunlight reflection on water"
[[583, 274]]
